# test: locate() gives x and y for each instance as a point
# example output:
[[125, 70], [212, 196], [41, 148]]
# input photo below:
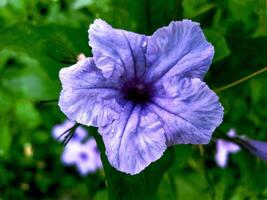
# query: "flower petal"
[[180, 48], [231, 133], [94, 153], [189, 110], [221, 156], [257, 148], [71, 152], [87, 97], [223, 149], [134, 140], [117, 52], [80, 134]]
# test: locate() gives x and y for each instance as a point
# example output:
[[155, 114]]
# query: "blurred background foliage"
[[37, 38]]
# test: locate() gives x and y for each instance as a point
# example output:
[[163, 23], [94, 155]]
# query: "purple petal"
[[84, 168], [189, 109], [231, 133], [71, 153], [221, 156], [80, 134], [223, 149], [255, 147], [95, 153], [87, 97], [83, 155], [87, 165], [134, 140], [231, 147], [117, 52], [178, 49]]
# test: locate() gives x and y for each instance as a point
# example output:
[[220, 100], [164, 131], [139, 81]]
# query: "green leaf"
[[6, 102], [143, 16], [219, 42], [101, 195], [4, 55], [243, 10], [238, 109], [26, 115], [3, 3], [191, 186], [192, 8], [262, 24], [18, 5], [167, 187], [81, 3], [5, 136], [141, 186], [166, 11], [52, 45], [25, 78], [256, 89]]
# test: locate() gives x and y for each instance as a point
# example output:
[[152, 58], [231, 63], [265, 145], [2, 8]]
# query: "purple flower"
[[224, 148], [257, 148], [144, 93], [59, 130], [85, 156]]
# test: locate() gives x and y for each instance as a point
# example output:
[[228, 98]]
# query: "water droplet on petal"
[[144, 43]]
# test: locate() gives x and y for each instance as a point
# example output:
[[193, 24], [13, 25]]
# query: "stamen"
[[68, 134]]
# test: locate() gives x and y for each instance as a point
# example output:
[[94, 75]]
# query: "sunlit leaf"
[[81, 3]]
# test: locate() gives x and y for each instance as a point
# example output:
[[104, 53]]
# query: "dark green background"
[[37, 38]]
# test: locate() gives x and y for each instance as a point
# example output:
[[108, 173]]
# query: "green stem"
[[172, 185], [206, 174], [240, 80], [47, 101]]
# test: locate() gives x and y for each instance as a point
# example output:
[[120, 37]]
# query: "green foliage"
[[26, 115], [219, 42], [193, 8], [38, 38], [5, 137], [53, 46]]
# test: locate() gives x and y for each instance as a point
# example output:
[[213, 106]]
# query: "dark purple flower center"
[[137, 93], [84, 156]]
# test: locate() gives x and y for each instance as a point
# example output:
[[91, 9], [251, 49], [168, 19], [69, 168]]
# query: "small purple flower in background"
[[224, 148], [144, 93], [85, 155], [59, 130], [257, 148]]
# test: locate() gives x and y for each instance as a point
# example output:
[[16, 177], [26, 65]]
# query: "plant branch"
[[240, 80]]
